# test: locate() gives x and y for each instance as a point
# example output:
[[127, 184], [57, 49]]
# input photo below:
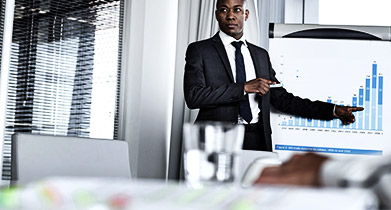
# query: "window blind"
[[64, 70], [2, 16]]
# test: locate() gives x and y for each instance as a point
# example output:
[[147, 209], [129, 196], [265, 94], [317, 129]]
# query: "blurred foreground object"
[[316, 170], [102, 193]]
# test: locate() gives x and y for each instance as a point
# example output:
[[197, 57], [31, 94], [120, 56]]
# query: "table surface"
[[98, 193]]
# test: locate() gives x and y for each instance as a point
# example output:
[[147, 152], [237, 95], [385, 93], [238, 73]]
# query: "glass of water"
[[212, 152]]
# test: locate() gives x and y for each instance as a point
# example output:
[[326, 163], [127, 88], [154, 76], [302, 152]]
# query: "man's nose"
[[230, 15]]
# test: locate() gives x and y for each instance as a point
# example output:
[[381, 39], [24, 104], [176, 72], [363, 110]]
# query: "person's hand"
[[345, 113], [299, 170], [258, 85]]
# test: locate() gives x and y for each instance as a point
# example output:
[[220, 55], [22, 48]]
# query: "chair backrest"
[[37, 156]]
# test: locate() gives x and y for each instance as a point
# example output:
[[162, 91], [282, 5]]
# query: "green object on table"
[[9, 198]]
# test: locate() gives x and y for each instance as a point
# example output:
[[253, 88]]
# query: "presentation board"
[[344, 72]]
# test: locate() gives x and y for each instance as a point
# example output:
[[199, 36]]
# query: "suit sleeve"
[[289, 103], [198, 94]]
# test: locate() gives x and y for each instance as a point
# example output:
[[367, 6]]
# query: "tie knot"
[[237, 45]]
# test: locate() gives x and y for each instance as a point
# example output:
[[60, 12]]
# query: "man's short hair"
[[217, 3]]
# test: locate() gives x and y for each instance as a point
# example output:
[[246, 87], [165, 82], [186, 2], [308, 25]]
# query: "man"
[[229, 79]]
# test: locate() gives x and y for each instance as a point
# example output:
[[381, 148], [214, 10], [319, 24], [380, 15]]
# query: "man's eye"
[[238, 10], [224, 10]]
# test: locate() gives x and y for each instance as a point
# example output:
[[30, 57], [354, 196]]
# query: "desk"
[[94, 193]]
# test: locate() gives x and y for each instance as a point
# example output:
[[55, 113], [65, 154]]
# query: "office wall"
[[301, 12], [269, 11], [147, 83]]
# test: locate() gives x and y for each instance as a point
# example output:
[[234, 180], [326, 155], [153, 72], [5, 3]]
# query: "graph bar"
[[367, 98], [297, 121], [360, 120], [374, 91], [290, 122], [380, 104], [340, 124], [321, 124], [309, 122], [328, 123], [316, 123], [335, 123], [354, 104], [303, 122]]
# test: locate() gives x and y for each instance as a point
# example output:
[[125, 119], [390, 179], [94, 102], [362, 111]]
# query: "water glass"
[[212, 152]]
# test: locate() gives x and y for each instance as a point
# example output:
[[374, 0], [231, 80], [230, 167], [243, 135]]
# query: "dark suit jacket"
[[210, 87]]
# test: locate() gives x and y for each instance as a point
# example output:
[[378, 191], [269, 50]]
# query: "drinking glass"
[[212, 153]]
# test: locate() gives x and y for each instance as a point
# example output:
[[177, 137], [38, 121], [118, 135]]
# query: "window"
[[64, 70], [355, 12]]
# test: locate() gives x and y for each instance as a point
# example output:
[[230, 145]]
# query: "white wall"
[[301, 11], [355, 12], [294, 11], [149, 51]]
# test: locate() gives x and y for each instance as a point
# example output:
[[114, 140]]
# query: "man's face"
[[231, 15]]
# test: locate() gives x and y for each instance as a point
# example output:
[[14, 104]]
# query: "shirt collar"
[[227, 40]]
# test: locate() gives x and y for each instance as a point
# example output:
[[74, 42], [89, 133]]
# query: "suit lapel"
[[258, 71], [218, 44], [257, 66]]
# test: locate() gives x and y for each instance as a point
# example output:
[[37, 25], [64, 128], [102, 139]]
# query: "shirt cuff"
[[351, 172], [331, 173]]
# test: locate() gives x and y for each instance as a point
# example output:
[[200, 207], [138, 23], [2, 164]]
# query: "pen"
[[276, 85]]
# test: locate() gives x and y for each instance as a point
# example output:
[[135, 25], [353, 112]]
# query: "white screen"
[[334, 70]]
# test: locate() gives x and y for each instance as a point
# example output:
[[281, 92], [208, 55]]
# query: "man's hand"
[[258, 85], [345, 113], [299, 170]]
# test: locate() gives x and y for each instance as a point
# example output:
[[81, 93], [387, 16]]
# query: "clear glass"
[[212, 153]]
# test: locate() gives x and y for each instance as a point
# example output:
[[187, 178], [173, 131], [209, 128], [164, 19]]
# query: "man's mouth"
[[231, 25]]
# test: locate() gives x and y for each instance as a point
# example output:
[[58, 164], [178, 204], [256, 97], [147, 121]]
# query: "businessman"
[[229, 79]]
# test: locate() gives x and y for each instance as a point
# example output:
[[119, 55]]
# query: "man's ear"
[[246, 14]]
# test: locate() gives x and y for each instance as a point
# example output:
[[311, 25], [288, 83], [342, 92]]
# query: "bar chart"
[[342, 72], [369, 119]]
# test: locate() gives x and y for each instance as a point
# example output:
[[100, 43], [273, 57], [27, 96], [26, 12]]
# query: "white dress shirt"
[[249, 68]]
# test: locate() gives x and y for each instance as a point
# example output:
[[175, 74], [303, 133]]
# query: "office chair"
[[38, 156]]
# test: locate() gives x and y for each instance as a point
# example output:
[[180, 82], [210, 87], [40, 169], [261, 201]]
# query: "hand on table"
[[299, 170]]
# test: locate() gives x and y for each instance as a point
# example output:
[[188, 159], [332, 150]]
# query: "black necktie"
[[244, 108]]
